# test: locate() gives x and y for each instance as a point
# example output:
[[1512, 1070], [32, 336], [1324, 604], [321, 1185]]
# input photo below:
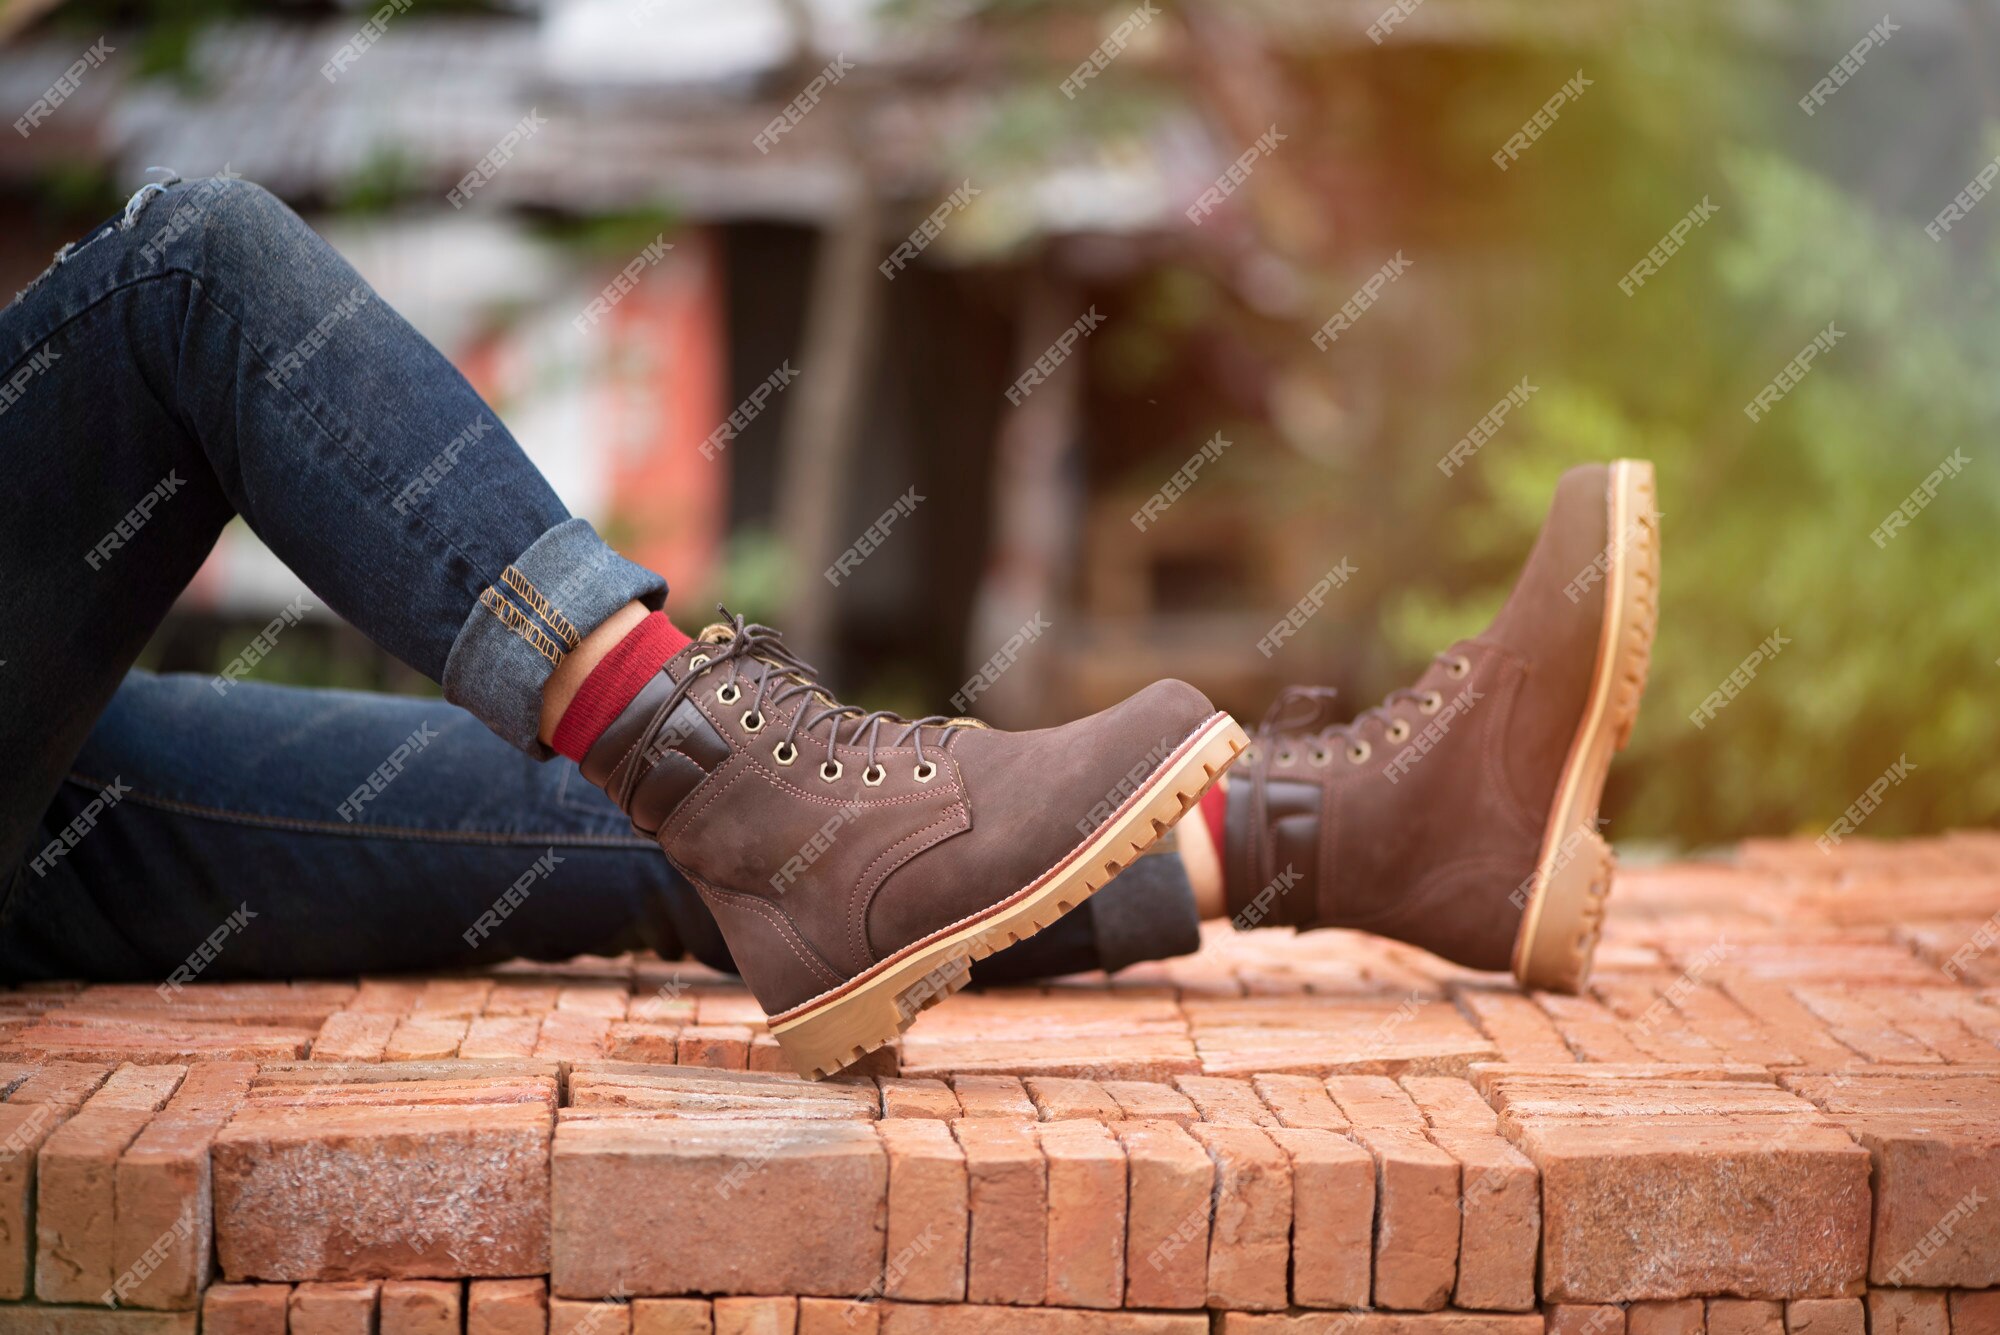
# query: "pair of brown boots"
[[859, 862]]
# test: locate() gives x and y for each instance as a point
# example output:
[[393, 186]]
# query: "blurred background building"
[[1195, 190]]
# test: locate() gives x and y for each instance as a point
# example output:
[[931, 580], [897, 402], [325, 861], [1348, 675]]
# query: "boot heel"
[[1565, 914]]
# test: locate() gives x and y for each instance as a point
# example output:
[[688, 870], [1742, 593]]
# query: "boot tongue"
[[1302, 709]]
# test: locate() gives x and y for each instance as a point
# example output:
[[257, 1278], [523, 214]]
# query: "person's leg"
[[227, 821], [209, 355]]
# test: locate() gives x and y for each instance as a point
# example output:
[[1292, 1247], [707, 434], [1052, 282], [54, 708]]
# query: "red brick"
[[571, 1036], [671, 1316], [62, 1084], [993, 1096], [1333, 1217], [1908, 1312], [76, 1184], [1973, 1312], [426, 1038], [1226, 1102], [1249, 1248], [737, 1196], [491, 1037], [507, 1306], [165, 1208], [634, 1041], [572, 1316], [1087, 1214], [1151, 1100], [412, 1192], [24, 1128], [1834, 1316], [1584, 1319], [339, 1308], [839, 1316], [452, 998], [1007, 1187], [927, 1319], [1682, 1316], [917, 1098], [34, 1320], [353, 1036], [1170, 1179], [517, 997], [701, 1092], [1499, 1197], [606, 1000], [1300, 1101], [421, 1307], [756, 1316], [1745, 1316], [720, 1046], [1059, 1097], [1520, 1029], [928, 1216], [245, 1309], [1416, 1194]]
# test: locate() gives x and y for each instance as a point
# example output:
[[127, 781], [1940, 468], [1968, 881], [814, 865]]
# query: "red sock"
[[618, 677], [1214, 804]]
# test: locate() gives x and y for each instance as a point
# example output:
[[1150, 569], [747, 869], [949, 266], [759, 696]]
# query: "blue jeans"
[[207, 355]]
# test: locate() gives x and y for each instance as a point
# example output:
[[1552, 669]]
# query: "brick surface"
[[917, 1098], [1908, 1312], [1499, 1197], [756, 1316], [245, 1309], [1745, 1316], [341, 1307], [670, 1316], [507, 1307], [588, 1316], [409, 1191], [912, 1319], [1087, 1214], [928, 1214], [735, 1195], [1585, 1319], [1249, 1247], [1333, 1217], [76, 1184], [1826, 1316], [1682, 1316], [164, 1203], [1170, 1179], [421, 1307], [33, 1320], [1007, 1187]]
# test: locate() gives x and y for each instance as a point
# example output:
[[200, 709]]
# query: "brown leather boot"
[[1460, 814], [859, 862]]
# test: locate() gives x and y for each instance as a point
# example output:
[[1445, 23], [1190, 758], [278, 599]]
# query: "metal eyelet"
[[1431, 703], [1285, 757], [752, 721], [1399, 731], [1461, 667], [699, 660], [784, 753], [873, 776], [727, 693], [1358, 753], [824, 767], [926, 772], [1320, 757]]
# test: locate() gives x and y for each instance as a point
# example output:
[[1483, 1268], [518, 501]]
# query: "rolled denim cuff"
[[1146, 913], [527, 621]]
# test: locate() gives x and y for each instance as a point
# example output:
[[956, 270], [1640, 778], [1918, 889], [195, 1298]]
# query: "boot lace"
[[757, 654], [1306, 713]]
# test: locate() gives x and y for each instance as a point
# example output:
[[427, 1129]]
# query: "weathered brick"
[[928, 1218], [165, 1209], [1745, 1316], [406, 1192], [756, 1316], [1908, 1312], [1499, 1197], [245, 1309], [1226, 1102], [76, 1184], [24, 1128], [1300, 1101], [1584, 1319], [993, 1096], [737, 1194], [670, 1316], [723, 1047], [930, 1319], [1973, 1312], [1831, 1316], [1059, 1097], [702, 1092], [1170, 1180], [354, 1036], [1249, 1250], [1333, 1217], [1087, 1214], [1681, 1316], [344, 1307], [1007, 1187], [1152, 1100], [917, 1098], [31, 1319], [838, 1316], [421, 1307], [589, 1316], [507, 1306]]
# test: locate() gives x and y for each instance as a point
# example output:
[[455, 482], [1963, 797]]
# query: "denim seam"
[[537, 601], [364, 831], [517, 621]]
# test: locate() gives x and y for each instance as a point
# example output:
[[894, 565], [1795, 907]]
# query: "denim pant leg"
[[223, 815], [206, 355]]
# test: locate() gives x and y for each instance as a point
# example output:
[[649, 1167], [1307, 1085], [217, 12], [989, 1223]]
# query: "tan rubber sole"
[[839, 1029], [1564, 913]]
